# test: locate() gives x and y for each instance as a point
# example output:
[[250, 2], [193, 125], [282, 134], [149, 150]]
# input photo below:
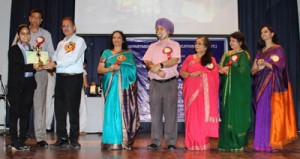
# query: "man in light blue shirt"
[[68, 60]]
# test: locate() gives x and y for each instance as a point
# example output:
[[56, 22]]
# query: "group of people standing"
[[205, 117], [43, 91], [28, 83], [275, 122]]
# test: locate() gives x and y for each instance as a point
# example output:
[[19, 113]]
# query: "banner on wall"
[[140, 45]]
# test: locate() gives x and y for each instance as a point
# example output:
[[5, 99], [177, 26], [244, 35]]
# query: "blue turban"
[[166, 23]]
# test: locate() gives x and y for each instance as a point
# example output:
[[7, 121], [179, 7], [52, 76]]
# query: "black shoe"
[[60, 143], [23, 146], [16, 147], [152, 147], [19, 147], [75, 145], [49, 130], [171, 147], [42, 143]]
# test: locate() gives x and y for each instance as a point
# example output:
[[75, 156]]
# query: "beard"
[[162, 36]]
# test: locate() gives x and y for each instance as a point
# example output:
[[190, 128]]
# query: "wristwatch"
[[161, 65]]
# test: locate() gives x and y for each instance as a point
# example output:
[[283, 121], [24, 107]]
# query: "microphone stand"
[[6, 100]]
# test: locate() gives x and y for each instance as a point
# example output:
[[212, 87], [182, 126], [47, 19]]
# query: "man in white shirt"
[[68, 60]]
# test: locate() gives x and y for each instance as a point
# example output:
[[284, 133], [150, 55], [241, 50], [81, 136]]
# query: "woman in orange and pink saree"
[[200, 95], [273, 101]]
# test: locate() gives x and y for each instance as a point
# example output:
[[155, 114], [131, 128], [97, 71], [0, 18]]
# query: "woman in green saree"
[[236, 95], [121, 116]]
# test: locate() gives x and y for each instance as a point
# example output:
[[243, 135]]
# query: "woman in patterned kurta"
[[273, 100], [200, 94], [236, 95], [121, 116]]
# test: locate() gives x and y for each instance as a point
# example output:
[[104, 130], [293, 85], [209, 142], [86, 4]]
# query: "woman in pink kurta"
[[200, 95]]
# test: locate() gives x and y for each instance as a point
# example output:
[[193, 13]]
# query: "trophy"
[[39, 41]]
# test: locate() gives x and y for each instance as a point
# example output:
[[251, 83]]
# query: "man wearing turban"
[[162, 58]]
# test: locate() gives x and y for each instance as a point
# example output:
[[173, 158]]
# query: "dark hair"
[[20, 27], [124, 44], [36, 11], [206, 58], [261, 43], [240, 37], [68, 18]]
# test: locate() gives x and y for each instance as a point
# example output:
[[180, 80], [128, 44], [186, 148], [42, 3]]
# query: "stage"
[[90, 149]]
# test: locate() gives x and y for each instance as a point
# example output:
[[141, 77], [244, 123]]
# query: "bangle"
[[161, 65]]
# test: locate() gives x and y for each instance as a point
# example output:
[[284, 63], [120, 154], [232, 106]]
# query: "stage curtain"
[[282, 16], [53, 11]]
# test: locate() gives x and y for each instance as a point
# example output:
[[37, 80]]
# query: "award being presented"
[[37, 56], [40, 58], [39, 41]]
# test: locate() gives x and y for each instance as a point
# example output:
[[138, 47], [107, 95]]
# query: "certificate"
[[32, 57]]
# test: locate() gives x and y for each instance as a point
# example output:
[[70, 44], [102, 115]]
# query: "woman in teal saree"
[[121, 116]]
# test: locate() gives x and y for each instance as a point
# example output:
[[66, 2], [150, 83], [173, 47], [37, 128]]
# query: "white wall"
[[5, 8], [138, 17]]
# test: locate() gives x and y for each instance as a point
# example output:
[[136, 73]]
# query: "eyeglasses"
[[199, 43]]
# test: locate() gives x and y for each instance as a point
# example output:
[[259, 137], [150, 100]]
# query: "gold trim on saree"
[[111, 146], [193, 97], [206, 97]]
